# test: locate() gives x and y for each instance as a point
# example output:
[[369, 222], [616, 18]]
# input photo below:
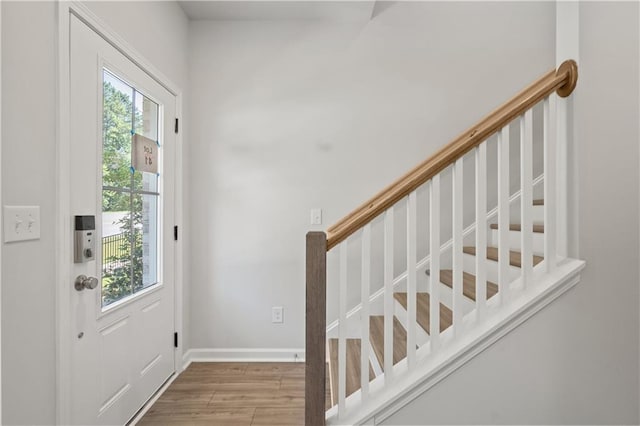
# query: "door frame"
[[2, 203], [63, 214]]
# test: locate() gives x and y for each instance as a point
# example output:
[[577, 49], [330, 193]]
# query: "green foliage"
[[125, 263], [116, 162]]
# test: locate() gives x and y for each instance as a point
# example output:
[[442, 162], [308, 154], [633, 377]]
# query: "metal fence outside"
[[115, 251]]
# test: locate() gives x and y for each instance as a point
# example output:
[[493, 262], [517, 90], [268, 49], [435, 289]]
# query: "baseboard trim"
[[243, 355]]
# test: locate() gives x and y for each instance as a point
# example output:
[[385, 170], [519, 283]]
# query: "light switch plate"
[[21, 223], [316, 216]]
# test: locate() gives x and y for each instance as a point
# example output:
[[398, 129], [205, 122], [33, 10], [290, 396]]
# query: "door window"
[[130, 190]]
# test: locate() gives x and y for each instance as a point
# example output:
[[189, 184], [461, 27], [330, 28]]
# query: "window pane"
[[146, 125], [116, 115], [146, 117], [116, 247], [145, 257], [143, 181], [129, 219]]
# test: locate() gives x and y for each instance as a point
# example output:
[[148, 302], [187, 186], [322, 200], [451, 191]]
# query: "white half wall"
[[576, 362], [287, 116], [29, 177]]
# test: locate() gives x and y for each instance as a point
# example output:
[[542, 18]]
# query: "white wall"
[[288, 116], [577, 361], [28, 152], [28, 178]]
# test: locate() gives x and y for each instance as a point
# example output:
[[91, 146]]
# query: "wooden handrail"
[[562, 81]]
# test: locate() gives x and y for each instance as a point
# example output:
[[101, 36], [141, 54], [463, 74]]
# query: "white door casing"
[[121, 356], [0, 199]]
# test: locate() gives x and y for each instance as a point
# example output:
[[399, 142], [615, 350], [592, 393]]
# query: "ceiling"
[[318, 10]]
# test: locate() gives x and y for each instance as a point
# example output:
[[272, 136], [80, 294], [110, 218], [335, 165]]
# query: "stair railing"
[[518, 109]]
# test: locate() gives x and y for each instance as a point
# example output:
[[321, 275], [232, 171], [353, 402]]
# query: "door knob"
[[83, 281]]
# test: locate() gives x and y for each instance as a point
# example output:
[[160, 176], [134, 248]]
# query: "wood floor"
[[232, 394]]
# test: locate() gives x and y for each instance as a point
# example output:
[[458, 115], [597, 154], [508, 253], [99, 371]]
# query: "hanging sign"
[[144, 155]]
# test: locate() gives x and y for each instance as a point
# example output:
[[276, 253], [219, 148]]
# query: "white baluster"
[[364, 313], [562, 180], [342, 330], [388, 295], [434, 250], [526, 196], [411, 278], [550, 236], [457, 246], [481, 229], [503, 214]]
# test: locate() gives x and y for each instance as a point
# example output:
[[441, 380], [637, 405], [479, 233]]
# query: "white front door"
[[122, 153]]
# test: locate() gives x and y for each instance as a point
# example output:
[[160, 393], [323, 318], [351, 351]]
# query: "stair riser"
[[537, 213], [469, 265], [421, 336], [353, 330], [446, 298], [515, 241]]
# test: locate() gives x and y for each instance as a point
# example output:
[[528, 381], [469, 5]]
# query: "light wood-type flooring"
[[232, 394]]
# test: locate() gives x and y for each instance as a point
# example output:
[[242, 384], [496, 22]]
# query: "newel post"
[[316, 326]]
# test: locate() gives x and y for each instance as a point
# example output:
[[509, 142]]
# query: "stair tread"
[[468, 284], [537, 228], [423, 309], [353, 367], [492, 254], [538, 202], [376, 333]]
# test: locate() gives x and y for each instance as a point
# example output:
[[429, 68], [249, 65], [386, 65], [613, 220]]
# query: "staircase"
[[420, 325], [423, 314]]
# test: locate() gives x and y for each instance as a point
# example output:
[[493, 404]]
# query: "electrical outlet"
[[277, 314]]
